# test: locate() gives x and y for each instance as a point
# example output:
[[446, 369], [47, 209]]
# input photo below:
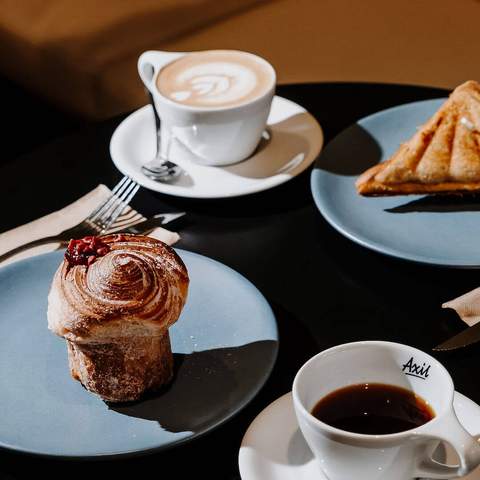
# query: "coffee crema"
[[373, 409], [215, 78]]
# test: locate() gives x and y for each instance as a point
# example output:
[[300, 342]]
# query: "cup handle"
[[449, 430], [150, 62]]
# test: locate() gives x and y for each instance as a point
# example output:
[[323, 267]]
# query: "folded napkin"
[[467, 306], [67, 217]]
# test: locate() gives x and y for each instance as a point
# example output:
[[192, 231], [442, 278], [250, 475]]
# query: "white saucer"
[[295, 141], [273, 447]]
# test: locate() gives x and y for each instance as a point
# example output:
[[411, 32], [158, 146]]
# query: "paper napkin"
[[65, 218]]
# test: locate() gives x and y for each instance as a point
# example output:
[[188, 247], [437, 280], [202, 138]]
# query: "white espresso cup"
[[344, 455], [214, 135]]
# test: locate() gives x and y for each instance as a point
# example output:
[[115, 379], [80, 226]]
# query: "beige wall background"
[[429, 42], [83, 55]]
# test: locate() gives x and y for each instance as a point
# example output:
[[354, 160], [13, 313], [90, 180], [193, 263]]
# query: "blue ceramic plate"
[[428, 229], [225, 345]]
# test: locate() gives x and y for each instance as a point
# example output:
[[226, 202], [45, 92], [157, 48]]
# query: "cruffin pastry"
[[115, 313]]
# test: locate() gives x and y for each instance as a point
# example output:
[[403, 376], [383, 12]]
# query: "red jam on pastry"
[[85, 251]]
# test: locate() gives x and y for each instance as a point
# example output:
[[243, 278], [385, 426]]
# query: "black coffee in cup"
[[373, 408]]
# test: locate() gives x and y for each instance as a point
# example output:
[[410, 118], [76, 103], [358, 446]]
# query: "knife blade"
[[463, 339], [157, 220]]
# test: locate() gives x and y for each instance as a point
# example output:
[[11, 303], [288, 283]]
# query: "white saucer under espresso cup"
[[344, 455], [217, 133]]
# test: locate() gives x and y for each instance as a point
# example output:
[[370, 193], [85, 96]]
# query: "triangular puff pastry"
[[442, 157]]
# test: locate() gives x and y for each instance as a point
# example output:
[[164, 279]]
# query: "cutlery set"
[[102, 220]]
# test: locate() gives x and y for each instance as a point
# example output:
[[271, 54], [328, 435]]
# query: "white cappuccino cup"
[[210, 102], [344, 455]]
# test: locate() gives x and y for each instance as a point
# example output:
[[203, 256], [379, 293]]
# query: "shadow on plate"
[[287, 148], [439, 204], [351, 153], [206, 387], [183, 180], [298, 452], [264, 142], [440, 453]]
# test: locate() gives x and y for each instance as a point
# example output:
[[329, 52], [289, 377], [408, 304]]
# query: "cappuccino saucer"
[[291, 143], [273, 447]]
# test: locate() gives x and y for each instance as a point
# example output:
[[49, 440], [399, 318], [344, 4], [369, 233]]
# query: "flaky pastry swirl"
[[138, 288]]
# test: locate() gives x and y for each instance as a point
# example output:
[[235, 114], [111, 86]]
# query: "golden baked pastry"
[[443, 157], [113, 299]]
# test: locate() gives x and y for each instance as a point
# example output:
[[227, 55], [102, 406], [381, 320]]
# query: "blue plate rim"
[[151, 450]]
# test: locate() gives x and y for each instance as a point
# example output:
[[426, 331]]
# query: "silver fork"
[[96, 223]]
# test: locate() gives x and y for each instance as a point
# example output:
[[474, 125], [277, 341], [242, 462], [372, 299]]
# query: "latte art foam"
[[215, 78], [229, 83]]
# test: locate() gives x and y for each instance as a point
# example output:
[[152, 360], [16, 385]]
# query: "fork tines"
[[106, 214]]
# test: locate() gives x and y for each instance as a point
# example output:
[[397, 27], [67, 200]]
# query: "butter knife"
[[156, 221], [466, 337]]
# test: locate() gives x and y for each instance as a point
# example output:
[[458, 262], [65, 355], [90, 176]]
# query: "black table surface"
[[324, 289]]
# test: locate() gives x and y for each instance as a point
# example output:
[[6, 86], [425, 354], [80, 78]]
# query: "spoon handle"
[[157, 121]]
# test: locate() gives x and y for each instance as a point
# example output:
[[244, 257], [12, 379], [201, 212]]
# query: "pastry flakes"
[[443, 157]]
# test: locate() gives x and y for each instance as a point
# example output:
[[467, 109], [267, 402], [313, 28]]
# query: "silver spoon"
[[160, 168]]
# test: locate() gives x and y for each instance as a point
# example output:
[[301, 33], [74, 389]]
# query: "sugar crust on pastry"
[[442, 157], [115, 314]]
